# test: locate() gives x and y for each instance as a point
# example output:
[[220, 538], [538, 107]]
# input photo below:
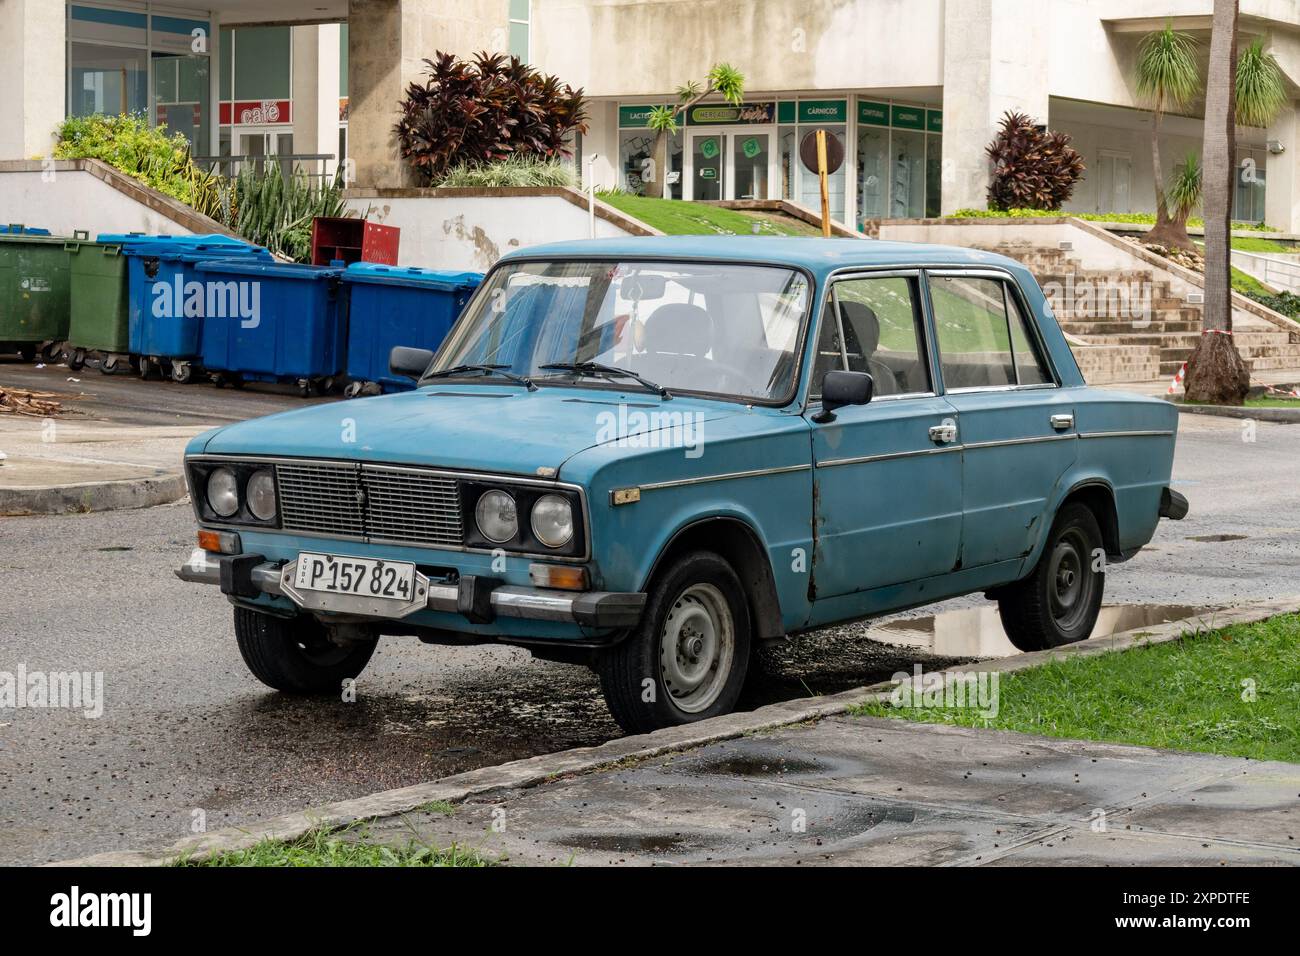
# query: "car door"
[[887, 477], [1015, 425]]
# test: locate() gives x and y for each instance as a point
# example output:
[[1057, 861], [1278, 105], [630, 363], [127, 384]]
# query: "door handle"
[[944, 432], [1062, 422]]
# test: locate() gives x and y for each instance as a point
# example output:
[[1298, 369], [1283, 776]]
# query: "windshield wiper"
[[608, 371], [486, 370]]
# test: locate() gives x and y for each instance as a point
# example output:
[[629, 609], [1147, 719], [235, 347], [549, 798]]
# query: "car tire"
[[296, 655], [1058, 603], [687, 659]]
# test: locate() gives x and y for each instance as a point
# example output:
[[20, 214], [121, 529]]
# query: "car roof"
[[819, 256]]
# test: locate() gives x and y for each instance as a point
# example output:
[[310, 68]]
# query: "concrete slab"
[[855, 791]]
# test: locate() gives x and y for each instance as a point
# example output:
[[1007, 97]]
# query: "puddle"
[[636, 842], [1216, 538], [978, 632], [755, 765]]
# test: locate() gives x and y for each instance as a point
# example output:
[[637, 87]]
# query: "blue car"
[[649, 455]]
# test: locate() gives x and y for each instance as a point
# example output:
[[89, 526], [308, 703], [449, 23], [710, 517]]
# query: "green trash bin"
[[99, 313], [35, 280]]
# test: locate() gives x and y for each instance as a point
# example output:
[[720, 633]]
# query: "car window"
[[970, 321], [880, 322], [1030, 367]]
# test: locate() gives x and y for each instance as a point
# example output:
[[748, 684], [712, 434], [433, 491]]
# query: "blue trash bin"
[[289, 323], [163, 333], [18, 229], [393, 305]]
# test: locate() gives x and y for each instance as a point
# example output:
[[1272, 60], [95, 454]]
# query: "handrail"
[[1283, 273]]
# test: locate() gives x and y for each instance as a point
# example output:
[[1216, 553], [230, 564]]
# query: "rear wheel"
[[687, 659], [296, 655], [1058, 603]]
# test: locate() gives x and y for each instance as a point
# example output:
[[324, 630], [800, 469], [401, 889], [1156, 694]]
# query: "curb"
[[1285, 416], [533, 771], [93, 496]]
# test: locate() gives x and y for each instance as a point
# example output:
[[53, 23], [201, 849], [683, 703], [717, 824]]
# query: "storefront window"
[[873, 182], [906, 175], [136, 61], [789, 146], [636, 150], [810, 191], [1248, 193], [107, 79], [933, 174]]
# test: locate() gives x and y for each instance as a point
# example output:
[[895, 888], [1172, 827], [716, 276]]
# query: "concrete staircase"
[[1128, 326]]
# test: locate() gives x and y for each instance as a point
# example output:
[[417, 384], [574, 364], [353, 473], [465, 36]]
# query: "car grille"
[[376, 502]]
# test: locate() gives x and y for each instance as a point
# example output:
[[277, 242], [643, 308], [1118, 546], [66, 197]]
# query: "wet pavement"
[[866, 791], [188, 735]]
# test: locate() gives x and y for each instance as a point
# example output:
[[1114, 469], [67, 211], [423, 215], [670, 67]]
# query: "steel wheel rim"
[[697, 647], [1070, 580]]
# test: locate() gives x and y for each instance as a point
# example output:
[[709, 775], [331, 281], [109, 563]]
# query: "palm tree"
[[1215, 372], [723, 79], [1168, 77]]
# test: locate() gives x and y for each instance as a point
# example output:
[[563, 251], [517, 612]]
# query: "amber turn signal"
[[222, 542], [564, 577]]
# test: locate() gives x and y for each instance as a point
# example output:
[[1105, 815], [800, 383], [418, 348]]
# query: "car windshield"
[[723, 329]]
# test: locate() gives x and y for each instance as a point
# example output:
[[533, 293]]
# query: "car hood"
[[463, 427]]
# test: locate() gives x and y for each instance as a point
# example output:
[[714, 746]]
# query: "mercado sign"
[[724, 114]]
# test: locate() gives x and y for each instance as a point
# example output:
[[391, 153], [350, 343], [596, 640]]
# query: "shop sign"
[[907, 117], [635, 117], [709, 148], [934, 121], [873, 114], [726, 115], [823, 111], [255, 112], [708, 172], [751, 147]]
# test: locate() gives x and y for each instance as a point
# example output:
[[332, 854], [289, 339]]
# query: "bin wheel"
[[182, 373], [76, 359], [147, 366], [108, 364], [327, 385], [50, 353], [352, 389], [27, 353], [305, 387]]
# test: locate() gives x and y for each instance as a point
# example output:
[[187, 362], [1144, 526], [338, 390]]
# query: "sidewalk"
[[54, 466], [874, 791]]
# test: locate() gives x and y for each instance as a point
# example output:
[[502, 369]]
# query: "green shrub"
[[1288, 303], [512, 171], [1135, 218], [276, 212], [147, 153]]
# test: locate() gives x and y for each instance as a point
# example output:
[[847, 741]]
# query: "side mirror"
[[408, 362], [843, 388]]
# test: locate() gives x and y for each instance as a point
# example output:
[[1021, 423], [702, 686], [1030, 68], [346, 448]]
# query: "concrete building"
[[912, 89]]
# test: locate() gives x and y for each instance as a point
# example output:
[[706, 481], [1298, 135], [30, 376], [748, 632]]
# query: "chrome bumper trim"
[[591, 608]]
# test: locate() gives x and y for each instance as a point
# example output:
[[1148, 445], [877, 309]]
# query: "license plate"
[[360, 577]]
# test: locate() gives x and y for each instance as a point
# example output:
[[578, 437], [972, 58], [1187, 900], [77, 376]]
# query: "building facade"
[[911, 91]]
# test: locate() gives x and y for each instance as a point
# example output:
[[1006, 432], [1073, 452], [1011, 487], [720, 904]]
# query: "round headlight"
[[496, 516], [261, 495], [223, 492], [553, 521]]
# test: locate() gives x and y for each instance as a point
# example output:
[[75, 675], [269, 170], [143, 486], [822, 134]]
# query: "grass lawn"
[[1186, 694], [346, 847], [1273, 402], [678, 218]]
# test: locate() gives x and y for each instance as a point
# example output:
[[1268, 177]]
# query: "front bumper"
[[479, 600]]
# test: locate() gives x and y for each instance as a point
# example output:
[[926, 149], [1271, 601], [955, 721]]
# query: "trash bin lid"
[[446, 280], [248, 266], [18, 229]]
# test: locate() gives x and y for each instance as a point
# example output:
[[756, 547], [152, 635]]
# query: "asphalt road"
[[186, 731]]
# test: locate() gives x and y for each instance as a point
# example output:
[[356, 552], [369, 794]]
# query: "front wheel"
[[687, 659], [296, 655], [1058, 603]]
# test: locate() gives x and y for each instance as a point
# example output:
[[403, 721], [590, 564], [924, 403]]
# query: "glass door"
[[750, 157], [708, 166]]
